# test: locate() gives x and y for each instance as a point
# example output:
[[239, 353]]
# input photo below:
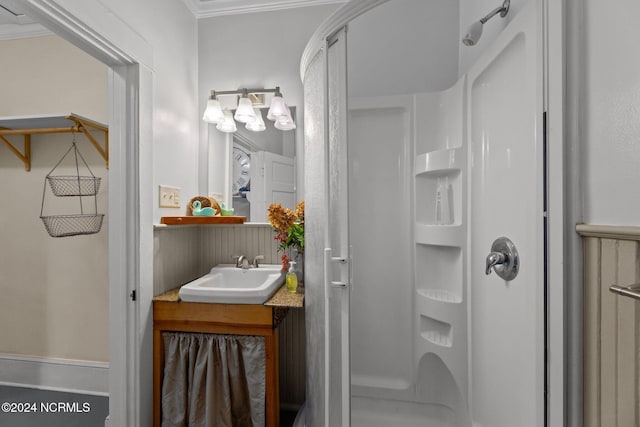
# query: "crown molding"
[[213, 8], [14, 32]]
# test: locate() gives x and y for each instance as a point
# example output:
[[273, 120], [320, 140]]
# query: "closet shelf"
[[50, 124], [438, 162], [439, 235]]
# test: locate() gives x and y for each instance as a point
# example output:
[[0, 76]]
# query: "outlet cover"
[[169, 197]]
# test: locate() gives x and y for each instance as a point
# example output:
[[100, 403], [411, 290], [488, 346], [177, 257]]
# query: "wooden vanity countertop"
[[282, 297]]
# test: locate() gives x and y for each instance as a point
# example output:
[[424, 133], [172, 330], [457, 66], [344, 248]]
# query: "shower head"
[[473, 34], [475, 30]]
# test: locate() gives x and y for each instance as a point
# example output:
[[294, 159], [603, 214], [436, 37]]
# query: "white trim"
[[245, 142], [210, 9], [554, 74], [14, 32], [47, 373], [92, 27], [617, 232]]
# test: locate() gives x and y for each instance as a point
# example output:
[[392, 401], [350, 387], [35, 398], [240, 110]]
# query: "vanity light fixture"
[[257, 125], [285, 122], [227, 124], [213, 113], [245, 113]]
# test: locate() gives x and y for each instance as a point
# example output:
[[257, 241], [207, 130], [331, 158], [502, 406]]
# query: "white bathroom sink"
[[226, 283]]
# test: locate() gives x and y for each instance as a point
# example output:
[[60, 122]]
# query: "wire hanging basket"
[[69, 185], [72, 224]]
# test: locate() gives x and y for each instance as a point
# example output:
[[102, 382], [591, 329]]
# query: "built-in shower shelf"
[[435, 331], [439, 235], [436, 338], [439, 162], [440, 295]]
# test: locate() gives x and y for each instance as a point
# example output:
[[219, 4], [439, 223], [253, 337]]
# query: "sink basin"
[[226, 283]]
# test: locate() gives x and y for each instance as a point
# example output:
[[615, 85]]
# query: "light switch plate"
[[169, 197]]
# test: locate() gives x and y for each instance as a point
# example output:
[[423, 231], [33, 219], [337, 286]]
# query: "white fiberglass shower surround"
[[415, 173]]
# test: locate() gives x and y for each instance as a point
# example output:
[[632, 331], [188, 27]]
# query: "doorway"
[[56, 290], [109, 40]]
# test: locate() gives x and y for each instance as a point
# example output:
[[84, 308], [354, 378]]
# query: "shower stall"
[[426, 220]]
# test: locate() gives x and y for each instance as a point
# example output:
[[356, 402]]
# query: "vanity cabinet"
[[171, 314]]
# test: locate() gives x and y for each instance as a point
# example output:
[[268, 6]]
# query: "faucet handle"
[[237, 259], [255, 260]]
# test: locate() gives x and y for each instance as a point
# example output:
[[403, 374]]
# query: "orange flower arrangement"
[[289, 227]]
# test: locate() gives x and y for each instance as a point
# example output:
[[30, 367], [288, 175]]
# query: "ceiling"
[[15, 24]]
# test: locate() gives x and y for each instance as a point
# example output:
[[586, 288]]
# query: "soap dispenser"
[[292, 278]]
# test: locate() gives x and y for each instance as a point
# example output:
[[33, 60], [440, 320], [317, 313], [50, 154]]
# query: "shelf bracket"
[[79, 126], [83, 126], [24, 157]]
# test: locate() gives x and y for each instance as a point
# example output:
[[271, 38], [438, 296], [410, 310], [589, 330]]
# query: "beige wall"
[[54, 291]]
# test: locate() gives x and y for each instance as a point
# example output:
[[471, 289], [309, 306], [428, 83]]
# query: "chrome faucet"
[[255, 260], [494, 259], [242, 262]]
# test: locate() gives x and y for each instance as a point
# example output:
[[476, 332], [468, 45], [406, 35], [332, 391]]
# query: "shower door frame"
[[337, 256], [561, 389]]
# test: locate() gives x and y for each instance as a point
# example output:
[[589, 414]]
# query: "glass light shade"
[[277, 109], [213, 113], [285, 122], [257, 125], [227, 125], [245, 112]]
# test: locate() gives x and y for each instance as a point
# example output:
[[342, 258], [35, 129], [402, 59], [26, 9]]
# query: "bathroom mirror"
[[262, 169]]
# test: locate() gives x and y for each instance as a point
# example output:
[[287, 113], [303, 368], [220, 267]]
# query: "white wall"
[[170, 28], [473, 10], [253, 50], [610, 116], [54, 291]]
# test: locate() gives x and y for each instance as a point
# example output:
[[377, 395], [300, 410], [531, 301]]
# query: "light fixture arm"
[[502, 10], [278, 112], [243, 91]]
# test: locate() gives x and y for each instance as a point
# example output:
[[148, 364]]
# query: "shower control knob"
[[503, 259]]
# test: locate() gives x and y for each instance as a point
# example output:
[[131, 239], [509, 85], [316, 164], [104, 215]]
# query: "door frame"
[[93, 28]]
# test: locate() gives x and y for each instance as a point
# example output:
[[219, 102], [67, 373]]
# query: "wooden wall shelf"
[[199, 220], [50, 124]]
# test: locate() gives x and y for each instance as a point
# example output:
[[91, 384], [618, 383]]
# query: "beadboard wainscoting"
[[183, 253], [176, 256], [611, 326]]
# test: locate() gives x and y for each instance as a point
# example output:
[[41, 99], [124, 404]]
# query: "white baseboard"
[[72, 376]]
